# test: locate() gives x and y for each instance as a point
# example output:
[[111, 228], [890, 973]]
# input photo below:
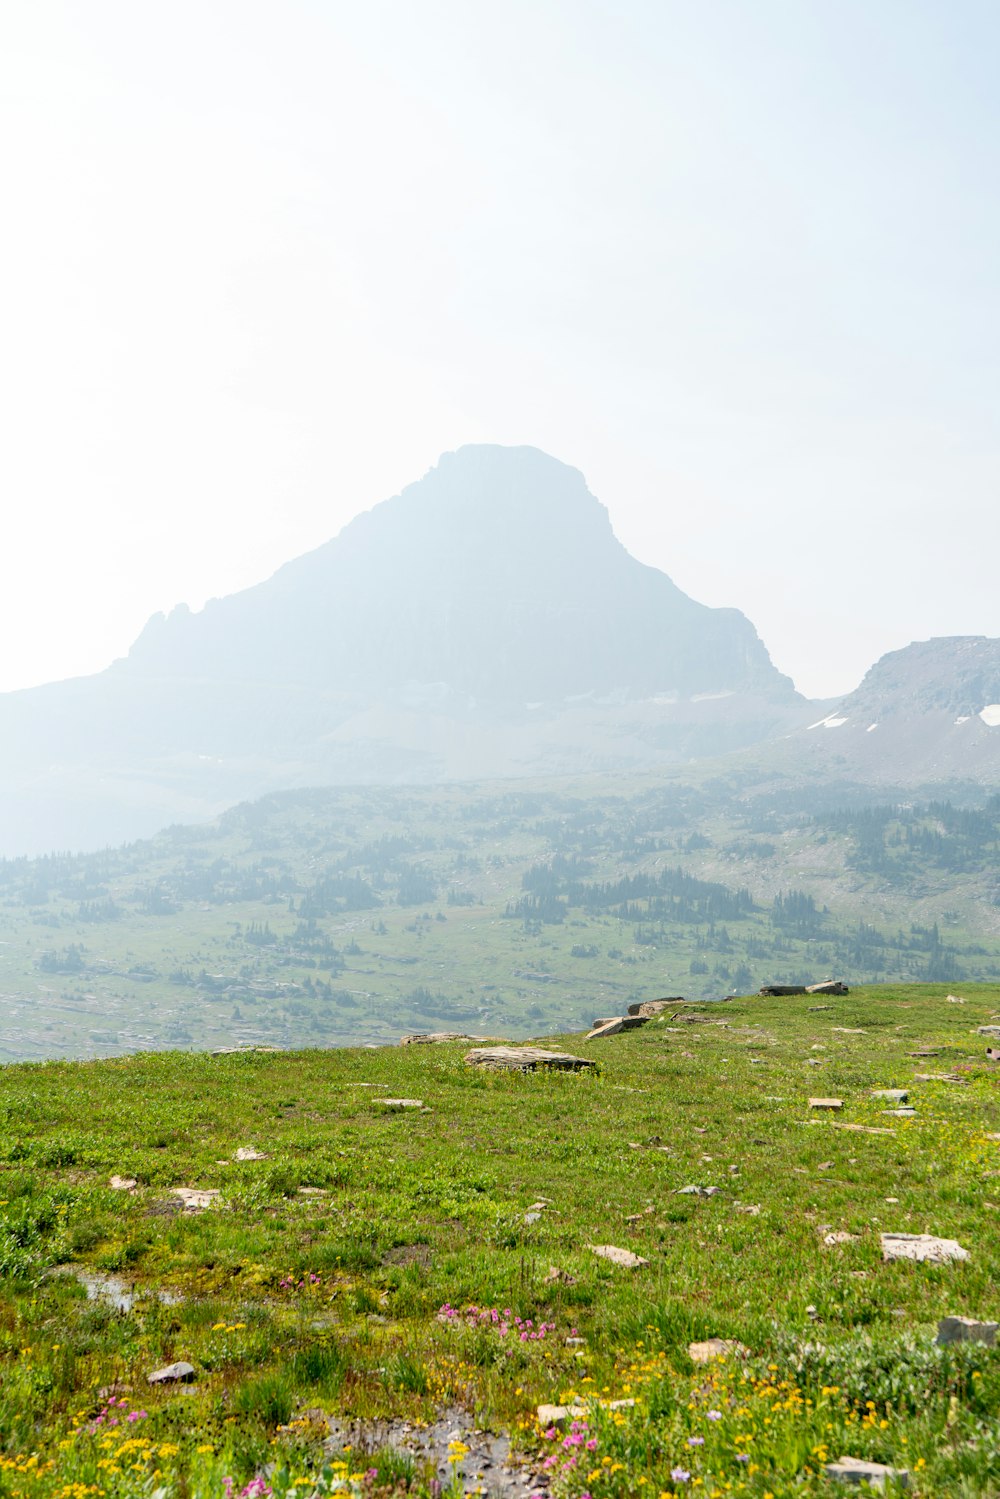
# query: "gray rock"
[[839, 1236], [402, 1103], [856, 1470], [966, 1330], [906, 1113], [891, 1095], [697, 1191], [988, 1030], [924, 1247], [197, 1199], [123, 1184], [525, 1059], [826, 1103], [179, 1373], [248, 1153]]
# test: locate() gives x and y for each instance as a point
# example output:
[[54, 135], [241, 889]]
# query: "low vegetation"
[[431, 1265]]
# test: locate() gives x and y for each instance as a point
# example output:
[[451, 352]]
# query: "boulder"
[[826, 1103], [775, 991], [992, 1054], [831, 986], [650, 1007], [988, 1030], [966, 1330], [859, 1470], [402, 1103], [437, 1038], [923, 1247], [614, 1025], [524, 1059], [179, 1373]]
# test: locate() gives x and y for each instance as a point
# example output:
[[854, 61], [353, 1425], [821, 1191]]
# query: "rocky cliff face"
[[485, 622]]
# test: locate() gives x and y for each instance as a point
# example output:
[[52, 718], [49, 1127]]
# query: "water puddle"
[[113, 1290]]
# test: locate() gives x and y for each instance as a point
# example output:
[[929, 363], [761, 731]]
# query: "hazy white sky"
[[734, 259]]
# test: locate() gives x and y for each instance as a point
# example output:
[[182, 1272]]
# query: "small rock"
[[953, 999], [559, 1277], [698, 1191], [906, 1113], [752, 1209], [846, 1030], [839, 1236], [938, 1077], [557, 1415], [826, 1103], [891, 1095], [576, 1342], [992, 1054], [861, 1129], [123, 1184], [312, 1191], [966, 1330], [179, 1373], [531, 1217], [248, 1153], [988, 1030], [704, 1353], [856, 1470], [923, 1247], [623, 1257], [402, 1103]]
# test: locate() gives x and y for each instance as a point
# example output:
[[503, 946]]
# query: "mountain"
[[929, 713], [484, 622]]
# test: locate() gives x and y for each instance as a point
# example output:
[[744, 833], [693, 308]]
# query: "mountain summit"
[[496, 577], [486, 622]]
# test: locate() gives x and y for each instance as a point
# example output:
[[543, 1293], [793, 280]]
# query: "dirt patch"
[[409, 1254]]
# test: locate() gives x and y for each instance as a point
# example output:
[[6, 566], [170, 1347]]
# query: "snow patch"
[[710, 697], [963, 719], [830, 722], [991, 715], [870, 727]]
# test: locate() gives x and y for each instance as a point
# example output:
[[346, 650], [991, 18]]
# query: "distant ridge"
[[485, 622]]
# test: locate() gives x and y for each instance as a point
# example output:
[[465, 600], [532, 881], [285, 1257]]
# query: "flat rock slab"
[[437, 1038], [839, 1236], [525, 1059], [847, 1030], [712, 1348], [614, 1026], [779, 991], [966, 1330], [891, 1095], [197, 1199], [826, 1103], [123, 1184], [937, 1077], [860, 1129], [698, 1191], [248, 1153], [988, 1030], [179, 1373], [402, 1103], [832, 986], [923, 1247], [623, 1257], [906, 1113], [857, 1470]]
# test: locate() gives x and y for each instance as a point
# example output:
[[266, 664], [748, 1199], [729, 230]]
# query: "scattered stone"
[[926, 1051], [614, 1026], [815, 1009], [123, 1184], [179, 1373], [576, 1342], [195, 1199], [704, 1353], [900, 1113], [937, 1077], [860, 1129], [826, 1103], [698, 1191], [988, 1030], [623, 1257], [312, 1191], [992, 1054], [752, 1209], [815, 1061], [839, 1236], [953, 999], [531, 1217], [923, 1247], [557, 1415], [846, 1030], [524, 1059], [966, 1330], [402, 1103], [857, 1470], [891, 1095], [559, 1277], [248, 1153], [536, 1207]]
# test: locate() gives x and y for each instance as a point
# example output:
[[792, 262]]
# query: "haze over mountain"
[[485, 622]]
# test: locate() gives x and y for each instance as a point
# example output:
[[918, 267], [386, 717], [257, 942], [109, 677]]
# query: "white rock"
[[704, 1353], [826, 1103], [402, 1103], [123, 1184], [839, 1236], [924, 1247], [248, 1153], [196, 1199]]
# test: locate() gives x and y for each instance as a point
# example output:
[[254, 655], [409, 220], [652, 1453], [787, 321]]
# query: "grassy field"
[[384, 1266]]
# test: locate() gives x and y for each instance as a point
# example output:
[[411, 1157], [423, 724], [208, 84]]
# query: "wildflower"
[[714, 1415], [679, 1475], [696, 1441], [742, 1457]]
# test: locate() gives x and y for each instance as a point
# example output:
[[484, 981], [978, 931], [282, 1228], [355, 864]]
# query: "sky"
[[263, 262]]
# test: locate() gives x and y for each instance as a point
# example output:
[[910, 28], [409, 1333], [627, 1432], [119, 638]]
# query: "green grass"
[[288, 1303]]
